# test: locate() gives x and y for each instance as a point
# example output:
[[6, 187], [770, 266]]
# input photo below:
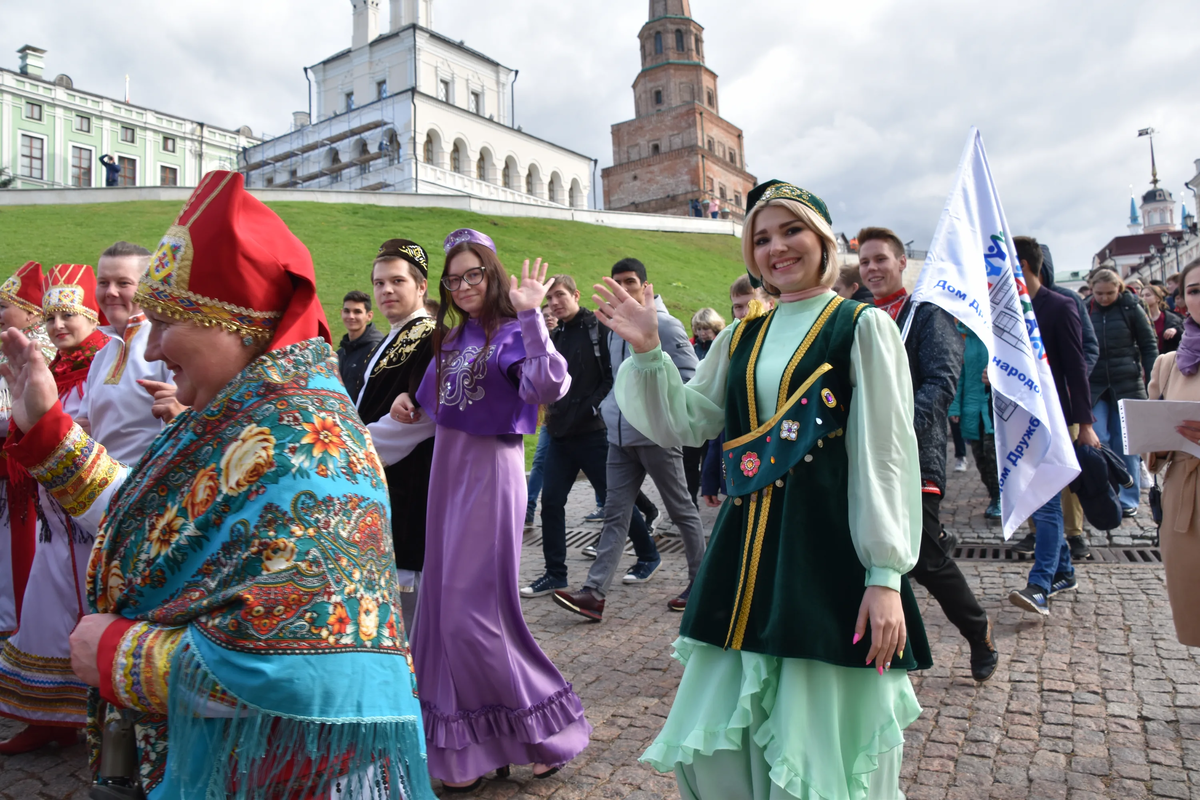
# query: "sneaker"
[[595, 516], [543, 585], [1079, 549], [642, 571], [1031, 598], [589, 551], [984, 657], [1025, 545], [993, 510], [652, 518], [680, 603], [583, 603], [1063, 583], [1129, 513], [960, 465]]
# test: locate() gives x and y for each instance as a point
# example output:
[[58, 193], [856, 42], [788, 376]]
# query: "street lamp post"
[[1169, 239]]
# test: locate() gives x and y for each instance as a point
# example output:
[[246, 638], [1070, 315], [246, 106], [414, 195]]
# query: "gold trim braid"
[[802, 350], [751, 398], [739, 634], [745, 563], [766, 427]]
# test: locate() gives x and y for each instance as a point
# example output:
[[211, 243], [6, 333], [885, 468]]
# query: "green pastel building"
[[52, 135]]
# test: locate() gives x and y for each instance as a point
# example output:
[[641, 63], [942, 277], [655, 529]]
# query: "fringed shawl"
[[259, 525]]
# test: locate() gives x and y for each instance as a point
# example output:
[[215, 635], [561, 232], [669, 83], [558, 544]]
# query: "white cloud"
[[866, 102]]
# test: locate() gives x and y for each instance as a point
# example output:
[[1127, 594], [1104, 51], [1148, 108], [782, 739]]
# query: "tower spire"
[[670, 8], [1153, 167]]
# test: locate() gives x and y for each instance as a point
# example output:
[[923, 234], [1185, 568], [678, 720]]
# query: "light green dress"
[[750, 725]]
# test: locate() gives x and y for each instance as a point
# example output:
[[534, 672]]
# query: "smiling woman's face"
[[203, 360], [68, 331], [786, 251]]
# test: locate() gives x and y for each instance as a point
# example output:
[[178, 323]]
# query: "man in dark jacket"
[[360, 340], [935, 353], [112, 170], [1058, 322], [1072, 511], [577, 438]]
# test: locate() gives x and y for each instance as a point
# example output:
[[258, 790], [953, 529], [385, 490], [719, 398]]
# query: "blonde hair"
[[814, 221], [1106, 276], [707, 319]]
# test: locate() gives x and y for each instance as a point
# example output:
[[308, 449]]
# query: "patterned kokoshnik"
[[257, 530]]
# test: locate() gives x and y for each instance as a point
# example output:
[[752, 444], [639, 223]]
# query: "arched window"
[[696, 42], [428, 150], [571, 197], [553, 192], [480, 168], [455, 160], [529, 182], [658, 45], [507, 176], [679, 41]]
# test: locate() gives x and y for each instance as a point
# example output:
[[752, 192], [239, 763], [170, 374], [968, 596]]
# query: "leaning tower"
[[677, 148]]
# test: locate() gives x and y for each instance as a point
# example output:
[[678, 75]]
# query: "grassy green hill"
[[690, 271]]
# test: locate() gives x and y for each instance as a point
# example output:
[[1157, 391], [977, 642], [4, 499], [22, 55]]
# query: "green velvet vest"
[[781, 575]]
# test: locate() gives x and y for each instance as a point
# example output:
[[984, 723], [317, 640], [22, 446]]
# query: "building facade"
[[677, 149], [1156, 245], [410, 110], [52, 136]]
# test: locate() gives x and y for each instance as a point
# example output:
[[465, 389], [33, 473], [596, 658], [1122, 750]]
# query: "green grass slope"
[[690, 271]]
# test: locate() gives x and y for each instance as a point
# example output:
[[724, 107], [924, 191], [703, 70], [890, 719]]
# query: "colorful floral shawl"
[[259, 526]]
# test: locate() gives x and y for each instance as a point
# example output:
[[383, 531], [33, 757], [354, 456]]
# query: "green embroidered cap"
[[774, 190]]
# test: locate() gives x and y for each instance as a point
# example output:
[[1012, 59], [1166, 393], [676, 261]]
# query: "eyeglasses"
[[473, 277]]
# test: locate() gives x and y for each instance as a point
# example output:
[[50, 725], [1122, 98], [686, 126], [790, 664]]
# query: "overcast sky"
[[865, 102]]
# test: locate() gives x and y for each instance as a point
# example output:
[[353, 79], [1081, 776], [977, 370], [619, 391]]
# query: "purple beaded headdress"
[[467, 235]]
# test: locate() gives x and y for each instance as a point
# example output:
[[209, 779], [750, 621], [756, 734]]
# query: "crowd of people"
[[251, 566]]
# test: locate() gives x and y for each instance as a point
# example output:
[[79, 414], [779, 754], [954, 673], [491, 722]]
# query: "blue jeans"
[[534, 486], [1051, 553], [565, 458], [1108, 429]]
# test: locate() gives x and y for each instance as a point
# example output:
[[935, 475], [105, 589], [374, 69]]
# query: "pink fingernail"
[[879, 667], [857, 636]]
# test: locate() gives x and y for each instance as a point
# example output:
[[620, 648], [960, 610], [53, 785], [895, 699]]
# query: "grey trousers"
[[408, 607], [627, 469]]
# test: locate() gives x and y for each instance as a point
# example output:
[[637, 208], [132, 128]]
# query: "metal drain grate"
[[1100, 555], [577, 540]]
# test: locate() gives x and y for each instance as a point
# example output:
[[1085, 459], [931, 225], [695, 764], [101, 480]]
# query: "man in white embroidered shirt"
[[127, 398]]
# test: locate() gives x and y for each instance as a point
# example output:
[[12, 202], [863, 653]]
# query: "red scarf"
[[70, 367], [893, 303]]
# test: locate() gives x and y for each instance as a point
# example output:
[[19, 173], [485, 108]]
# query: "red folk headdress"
[[230, 261], [71, 288], [24, 289]]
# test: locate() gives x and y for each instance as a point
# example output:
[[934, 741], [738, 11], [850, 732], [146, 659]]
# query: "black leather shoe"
[[1025, 545], [984, 657]]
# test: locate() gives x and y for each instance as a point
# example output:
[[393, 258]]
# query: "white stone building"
[[409, 110]]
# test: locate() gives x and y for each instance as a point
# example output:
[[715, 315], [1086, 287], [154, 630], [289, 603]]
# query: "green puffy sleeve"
[[656, 401], [885, 473]]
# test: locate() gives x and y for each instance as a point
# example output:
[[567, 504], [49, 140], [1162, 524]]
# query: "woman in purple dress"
[[489, 696]]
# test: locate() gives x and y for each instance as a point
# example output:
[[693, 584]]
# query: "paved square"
[[1098, 701]]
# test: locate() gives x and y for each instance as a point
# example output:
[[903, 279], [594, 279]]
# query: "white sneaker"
[[960, 465]]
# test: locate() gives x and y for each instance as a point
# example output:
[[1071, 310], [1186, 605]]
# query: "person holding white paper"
[[1175, 378]]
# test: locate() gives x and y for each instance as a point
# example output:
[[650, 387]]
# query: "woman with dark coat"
[[1168, 326], [1128, 348]]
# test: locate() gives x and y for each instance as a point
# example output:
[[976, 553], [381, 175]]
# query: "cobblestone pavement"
[[1097, 701]]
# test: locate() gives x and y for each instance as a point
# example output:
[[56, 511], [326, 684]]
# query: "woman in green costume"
[[795, 680]]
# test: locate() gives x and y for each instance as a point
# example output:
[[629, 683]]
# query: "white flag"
[[973, 273]]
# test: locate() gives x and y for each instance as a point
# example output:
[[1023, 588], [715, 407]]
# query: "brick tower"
[[677, 148]]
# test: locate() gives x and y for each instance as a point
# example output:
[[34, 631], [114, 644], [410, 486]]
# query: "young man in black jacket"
[[578, 438], [359, 342], [1058, 323], [935, 356]]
